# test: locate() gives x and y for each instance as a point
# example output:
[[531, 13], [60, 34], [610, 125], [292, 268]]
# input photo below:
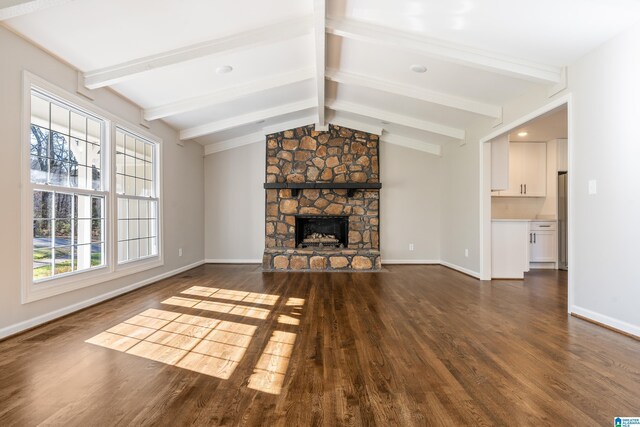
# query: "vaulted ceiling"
[[296, 62]]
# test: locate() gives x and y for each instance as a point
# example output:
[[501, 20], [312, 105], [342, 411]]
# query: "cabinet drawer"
[[543, 225]]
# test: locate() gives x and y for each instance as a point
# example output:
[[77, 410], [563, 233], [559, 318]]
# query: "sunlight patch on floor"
[[201, 344], [238, 296], [208, 345], [269, 372], [219, 307]]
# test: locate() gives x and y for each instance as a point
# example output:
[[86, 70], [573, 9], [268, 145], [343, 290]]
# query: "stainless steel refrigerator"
[[563, 181]]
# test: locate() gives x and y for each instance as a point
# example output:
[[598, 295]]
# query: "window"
[[137, 200], [66, 161], [91, 194]]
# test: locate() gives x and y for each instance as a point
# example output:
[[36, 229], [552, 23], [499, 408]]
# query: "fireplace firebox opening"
[[318, 231]]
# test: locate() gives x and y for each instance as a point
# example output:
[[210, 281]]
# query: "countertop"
[[520, 220]]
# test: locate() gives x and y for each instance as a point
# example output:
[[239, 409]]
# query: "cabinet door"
[[533, 168], [543, 246], [516, 186]]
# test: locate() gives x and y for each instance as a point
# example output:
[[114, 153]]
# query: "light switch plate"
[[593, 189]]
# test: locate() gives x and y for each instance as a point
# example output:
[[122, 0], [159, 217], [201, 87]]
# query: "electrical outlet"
[[466, 253], [180, 252], [410, 246]]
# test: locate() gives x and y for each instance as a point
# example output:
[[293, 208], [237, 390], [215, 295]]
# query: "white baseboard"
[[410, 261], [606, 320], [30, 323], [233, 261], [461, 269]]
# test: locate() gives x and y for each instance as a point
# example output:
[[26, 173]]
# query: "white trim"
[[14, 8], [606, 320], [453, 52], [268, 34], [35, 321], [461, 269], [415, 92], [411, 143], [233, 261], [319, 19], [411, 261], [244, 119], [400, 119], [561, 85], [227, 94], [528, 117]]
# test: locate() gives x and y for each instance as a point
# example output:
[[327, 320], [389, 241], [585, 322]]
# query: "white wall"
[[183, 188], [235, 204], [409, 205], [605, 86], [460, 209]]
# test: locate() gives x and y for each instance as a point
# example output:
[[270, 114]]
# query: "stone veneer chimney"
[[322, 175]]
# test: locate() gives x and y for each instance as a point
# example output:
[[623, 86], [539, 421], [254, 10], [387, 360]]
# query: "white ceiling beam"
[[249, 39], [414, 144], [356, 125], [246, 119], [452, 52], [234, 143], [14, 8], [228, 94], [289, 124], [396, 118], [319, 17], [439, 98]]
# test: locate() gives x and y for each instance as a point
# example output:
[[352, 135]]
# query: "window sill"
[[38, 291]]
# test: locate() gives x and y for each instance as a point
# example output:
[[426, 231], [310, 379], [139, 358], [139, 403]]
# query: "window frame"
[[156, 196], [67, 282]]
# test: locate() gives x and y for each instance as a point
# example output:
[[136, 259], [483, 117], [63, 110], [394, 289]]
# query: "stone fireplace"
[[322, 200]]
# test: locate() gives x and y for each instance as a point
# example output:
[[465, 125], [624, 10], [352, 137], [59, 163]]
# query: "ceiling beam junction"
[[319, 15]]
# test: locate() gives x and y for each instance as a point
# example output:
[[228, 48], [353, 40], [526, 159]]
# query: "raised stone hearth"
[[302, 157], [318, 260]]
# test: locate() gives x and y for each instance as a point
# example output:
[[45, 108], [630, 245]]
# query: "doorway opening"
[[525, 195]]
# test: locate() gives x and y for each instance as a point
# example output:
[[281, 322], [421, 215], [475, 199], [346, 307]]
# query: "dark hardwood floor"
[[417, 345]]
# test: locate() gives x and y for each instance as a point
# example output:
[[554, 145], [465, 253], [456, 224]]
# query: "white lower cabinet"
[[509, 249], [543, 241]]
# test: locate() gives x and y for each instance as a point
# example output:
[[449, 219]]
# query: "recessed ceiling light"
[[224, 69], [523, 133], [417, 68]]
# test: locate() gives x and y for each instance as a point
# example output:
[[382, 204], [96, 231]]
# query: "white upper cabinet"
[[527, 168]]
